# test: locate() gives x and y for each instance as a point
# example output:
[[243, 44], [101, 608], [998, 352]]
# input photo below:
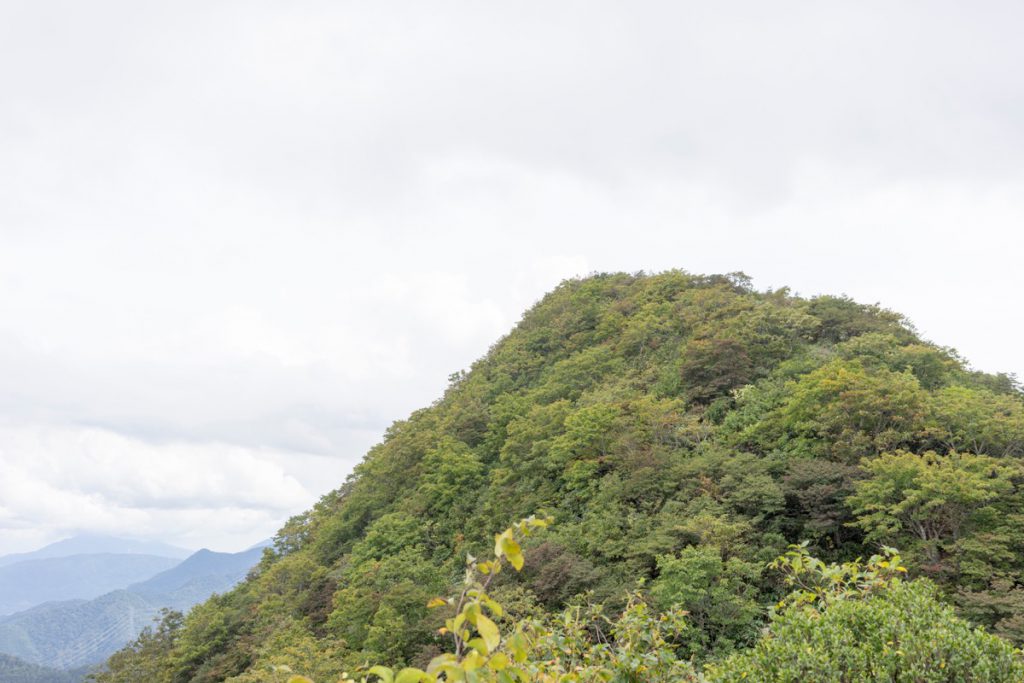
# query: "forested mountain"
[[74, 633], [193, 580], [14, 670], [28, 583], [77, 633], [681, 431]]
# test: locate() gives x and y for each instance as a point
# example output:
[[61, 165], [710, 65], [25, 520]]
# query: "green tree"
[[933, 500], [816, 492], [712, 367], [719, 596], [977, 421], [843, 411]]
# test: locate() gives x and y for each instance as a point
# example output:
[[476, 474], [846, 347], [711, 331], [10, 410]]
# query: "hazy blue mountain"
[[93, 544], [265, 543], [14, 670], [32, 582], [202, 574], [78, 633]]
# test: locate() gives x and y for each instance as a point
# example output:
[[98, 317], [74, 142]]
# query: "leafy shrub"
[[860, 623]]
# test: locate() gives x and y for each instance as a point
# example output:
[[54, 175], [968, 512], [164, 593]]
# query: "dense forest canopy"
[[682, 431]]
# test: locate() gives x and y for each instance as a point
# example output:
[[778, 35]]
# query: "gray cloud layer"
[[237, 239]]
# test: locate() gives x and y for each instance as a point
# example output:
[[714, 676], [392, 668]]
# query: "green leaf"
[[489, 632], [411, 675], [499, 542], [498, 662], [495, 607], [385, 674], [511, 550]]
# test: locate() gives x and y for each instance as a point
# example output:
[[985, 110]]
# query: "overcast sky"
[[238, 239]]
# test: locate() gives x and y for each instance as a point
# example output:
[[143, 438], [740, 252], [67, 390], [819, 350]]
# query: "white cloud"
[[68, 479]]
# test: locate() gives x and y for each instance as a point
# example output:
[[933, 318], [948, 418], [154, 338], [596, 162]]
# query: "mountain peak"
[[93, 544]]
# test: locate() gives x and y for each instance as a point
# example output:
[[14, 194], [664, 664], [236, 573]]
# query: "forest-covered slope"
[[80, 633], [14, 670], [682, 431]]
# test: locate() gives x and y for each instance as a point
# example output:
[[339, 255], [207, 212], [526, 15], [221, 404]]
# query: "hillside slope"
[[681, 430], [74, 633], [14, 670], [77, 633], [202, 574]]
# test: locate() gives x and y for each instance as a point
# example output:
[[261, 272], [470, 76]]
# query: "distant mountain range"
[[26, 584], [196, 578], [82, 567], [76, 633], [94, 544]]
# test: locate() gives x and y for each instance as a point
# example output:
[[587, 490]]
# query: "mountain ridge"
[[92, 544], [76, 633], [32, 582]]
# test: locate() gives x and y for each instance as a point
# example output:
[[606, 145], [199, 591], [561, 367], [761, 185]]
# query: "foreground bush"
[[852, 624]]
